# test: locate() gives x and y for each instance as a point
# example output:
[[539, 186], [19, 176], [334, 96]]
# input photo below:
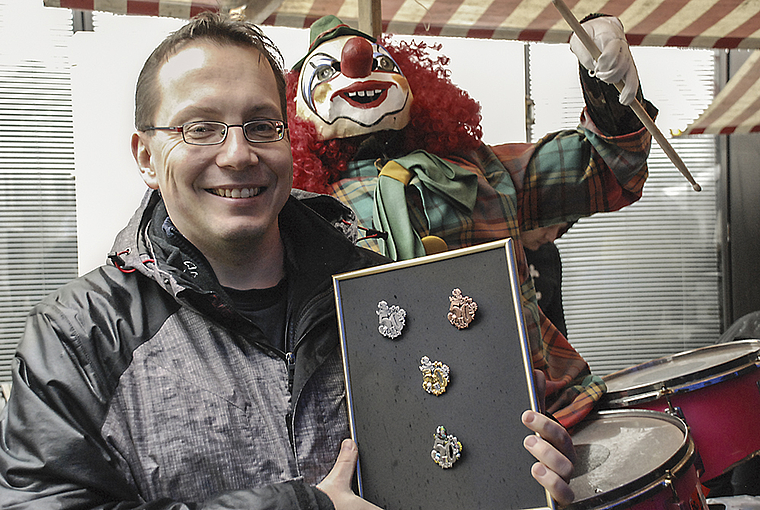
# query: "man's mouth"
[[236, 192]]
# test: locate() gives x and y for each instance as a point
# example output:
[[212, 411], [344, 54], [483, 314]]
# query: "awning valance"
[[736, 109], [167, 8], [687, 23]]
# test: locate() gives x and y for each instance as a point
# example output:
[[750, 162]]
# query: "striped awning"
[[736, 109], [693, 23], [167, 8]]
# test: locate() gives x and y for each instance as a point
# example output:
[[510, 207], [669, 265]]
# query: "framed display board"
[[436, 343]]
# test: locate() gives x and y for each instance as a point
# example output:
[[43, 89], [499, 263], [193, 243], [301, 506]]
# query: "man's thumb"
[[345, 464], [342, 472]]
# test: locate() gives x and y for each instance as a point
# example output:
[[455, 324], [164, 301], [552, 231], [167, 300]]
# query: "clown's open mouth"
[[364, 95]]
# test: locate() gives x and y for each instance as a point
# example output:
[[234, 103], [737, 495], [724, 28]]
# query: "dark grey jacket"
[[139, 386]]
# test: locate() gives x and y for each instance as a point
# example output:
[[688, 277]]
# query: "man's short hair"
[[218, 28]]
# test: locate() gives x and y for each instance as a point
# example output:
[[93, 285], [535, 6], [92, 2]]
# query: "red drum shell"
[[636, 459], [715, 389]]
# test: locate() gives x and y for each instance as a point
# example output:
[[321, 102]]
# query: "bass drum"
[[643, 460], [713, 389]]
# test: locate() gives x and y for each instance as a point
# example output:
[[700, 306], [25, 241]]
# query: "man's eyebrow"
[[264, 110], [211, 113], [196, 111], [264, 107]]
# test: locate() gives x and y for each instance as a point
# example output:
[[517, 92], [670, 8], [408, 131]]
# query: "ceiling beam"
[[370, 17]]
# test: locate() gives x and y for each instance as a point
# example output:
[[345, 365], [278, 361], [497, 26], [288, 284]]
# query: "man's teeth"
[[237, 192]]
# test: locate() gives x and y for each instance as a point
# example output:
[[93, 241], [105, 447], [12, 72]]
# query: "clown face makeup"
[[350, 86]]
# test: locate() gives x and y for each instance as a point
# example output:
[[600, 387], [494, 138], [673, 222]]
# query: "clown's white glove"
[[615, 63]]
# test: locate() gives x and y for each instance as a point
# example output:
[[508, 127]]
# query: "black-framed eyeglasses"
[[209, 132]]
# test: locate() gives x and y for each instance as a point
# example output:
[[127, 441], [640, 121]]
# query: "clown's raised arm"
[[380, 126]]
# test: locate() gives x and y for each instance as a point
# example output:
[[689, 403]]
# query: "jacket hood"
[[129, 244]]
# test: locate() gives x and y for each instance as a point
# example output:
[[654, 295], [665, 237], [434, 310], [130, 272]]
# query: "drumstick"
[[637, 108]]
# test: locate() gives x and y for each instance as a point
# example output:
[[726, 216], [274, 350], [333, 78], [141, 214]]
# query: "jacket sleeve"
[[52, 456], [578, 172]]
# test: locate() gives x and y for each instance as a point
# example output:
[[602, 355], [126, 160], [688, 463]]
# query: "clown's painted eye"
[[384, 63], [324, 72]]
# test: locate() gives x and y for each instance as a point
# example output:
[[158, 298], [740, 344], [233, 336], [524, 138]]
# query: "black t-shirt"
[[266, 308]]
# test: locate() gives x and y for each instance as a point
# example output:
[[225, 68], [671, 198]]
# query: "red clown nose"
[[356, 58]]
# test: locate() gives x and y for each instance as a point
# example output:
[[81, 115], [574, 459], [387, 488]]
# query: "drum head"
[[683, 367], [622, 452]]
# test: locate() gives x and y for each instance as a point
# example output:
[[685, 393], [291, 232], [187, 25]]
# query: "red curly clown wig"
[[445, 120]]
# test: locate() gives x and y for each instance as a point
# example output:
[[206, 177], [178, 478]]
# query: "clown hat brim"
[[327, 28]]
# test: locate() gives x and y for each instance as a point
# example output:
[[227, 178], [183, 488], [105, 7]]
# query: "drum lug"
[[673, 411], [676, 411], [677, 503]]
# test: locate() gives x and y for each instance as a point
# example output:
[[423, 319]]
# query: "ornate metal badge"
[[435, 376], [392, 319], [446, 449], [461, 309]]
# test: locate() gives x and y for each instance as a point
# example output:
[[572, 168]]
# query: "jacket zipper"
[[290, 361]]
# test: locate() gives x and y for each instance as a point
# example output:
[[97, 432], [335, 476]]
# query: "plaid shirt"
[[565, 176]]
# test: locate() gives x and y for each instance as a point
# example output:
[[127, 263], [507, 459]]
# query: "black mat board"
[[393, 419]]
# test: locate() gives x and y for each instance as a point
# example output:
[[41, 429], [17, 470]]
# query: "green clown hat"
[[326, 28]]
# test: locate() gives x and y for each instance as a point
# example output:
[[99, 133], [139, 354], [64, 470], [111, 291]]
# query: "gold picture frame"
[[394, 419]]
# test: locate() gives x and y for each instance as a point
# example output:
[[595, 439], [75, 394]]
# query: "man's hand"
[[337, 483], [553, 449], [615, 64], [555, 454]]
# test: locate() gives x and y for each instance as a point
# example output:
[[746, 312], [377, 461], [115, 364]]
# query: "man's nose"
[[356, 58], [237, 150]]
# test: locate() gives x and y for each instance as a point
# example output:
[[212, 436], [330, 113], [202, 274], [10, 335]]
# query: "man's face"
[[349, 86], [226, 193]]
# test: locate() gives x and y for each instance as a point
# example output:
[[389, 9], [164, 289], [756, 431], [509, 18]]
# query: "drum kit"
[[667, 426]]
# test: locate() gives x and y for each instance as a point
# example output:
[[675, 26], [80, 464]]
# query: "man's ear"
[[141, 153]]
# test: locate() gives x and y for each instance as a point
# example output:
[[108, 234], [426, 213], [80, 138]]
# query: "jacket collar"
[[315, 249]]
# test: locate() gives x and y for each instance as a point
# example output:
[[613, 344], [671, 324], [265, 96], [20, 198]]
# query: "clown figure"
[[351, 87], [380, 126]]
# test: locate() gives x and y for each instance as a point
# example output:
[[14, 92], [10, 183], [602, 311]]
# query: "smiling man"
[[200, 368], [225, 170]]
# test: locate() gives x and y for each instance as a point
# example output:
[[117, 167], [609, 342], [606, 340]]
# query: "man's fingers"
[[552, 432], [549, 456], [557, 487], [554, 468]]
